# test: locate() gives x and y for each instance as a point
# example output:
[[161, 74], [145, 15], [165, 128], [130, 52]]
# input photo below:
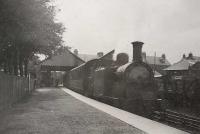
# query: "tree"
[[27, 27]]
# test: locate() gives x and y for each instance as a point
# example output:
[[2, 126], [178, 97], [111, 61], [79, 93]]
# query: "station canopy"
[[62, 62]]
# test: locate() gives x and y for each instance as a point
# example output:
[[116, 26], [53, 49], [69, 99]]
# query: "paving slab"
[[53, 111]]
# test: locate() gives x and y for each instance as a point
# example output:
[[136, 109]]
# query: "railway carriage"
[[80, 79]]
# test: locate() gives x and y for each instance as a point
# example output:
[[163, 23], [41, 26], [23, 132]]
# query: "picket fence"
[[13, 89]]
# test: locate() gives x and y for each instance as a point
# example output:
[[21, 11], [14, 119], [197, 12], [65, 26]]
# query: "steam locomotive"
[[129, 86]]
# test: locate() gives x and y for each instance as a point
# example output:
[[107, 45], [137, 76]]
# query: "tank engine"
[[129, 86]]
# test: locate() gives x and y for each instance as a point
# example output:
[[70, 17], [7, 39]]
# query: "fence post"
[[29, 83]]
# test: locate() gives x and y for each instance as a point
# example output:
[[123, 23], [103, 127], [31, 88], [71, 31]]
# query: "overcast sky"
[[165, 26]]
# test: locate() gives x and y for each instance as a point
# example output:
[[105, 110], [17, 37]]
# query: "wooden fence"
[[13, 88]]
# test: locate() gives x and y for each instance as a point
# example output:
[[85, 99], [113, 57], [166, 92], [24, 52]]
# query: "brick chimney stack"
[[76, 52], [184, 56], [137, 51], [163, 56], [190, 56], [100, 54]]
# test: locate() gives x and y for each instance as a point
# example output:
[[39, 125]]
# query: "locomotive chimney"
[[137, 51]]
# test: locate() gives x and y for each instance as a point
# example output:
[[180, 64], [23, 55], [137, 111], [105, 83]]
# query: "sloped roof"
[[67, 58], [87, 57], [196, 58], [184, 64], [156, 60], [108, 56]]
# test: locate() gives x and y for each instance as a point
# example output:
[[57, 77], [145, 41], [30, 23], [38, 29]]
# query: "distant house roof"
[[108, 56], [184, 64], [87, 57], [156, 60], [67, 58], [196, 58]]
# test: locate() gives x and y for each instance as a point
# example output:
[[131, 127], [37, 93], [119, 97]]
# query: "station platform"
[[61, 111]]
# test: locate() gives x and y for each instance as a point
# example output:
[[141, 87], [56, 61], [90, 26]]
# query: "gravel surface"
[[52, 111]]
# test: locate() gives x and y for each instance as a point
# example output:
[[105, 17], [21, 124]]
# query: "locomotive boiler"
[[127, 85]]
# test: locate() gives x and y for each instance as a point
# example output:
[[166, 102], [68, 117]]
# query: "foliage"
[[27, 27]]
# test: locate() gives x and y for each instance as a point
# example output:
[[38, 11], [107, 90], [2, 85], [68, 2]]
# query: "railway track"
[[182, 121]]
